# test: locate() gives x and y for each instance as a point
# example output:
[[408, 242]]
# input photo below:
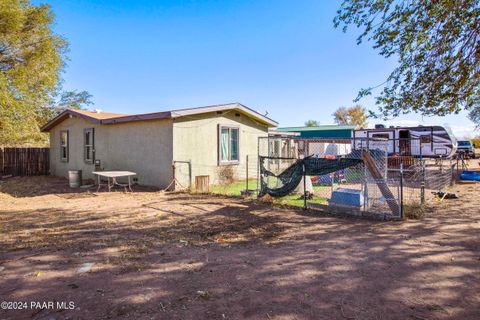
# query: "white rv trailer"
[[421, 141]]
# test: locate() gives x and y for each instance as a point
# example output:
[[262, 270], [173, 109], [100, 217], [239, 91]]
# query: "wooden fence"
[[24, 161]]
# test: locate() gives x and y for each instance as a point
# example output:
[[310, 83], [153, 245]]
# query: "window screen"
[[228, 145]]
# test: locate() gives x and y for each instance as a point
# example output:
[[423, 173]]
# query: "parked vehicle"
[[465, 148], [421, 141]]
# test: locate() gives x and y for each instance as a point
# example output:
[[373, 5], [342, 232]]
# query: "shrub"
[[414, 211], [226, 174]]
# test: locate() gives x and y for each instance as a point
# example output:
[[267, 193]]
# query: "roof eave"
[[164, 115], [265, 119], [231, 106], [52, 123], [138, 117]]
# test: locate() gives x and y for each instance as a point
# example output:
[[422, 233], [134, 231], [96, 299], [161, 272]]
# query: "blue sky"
[[279, 56]]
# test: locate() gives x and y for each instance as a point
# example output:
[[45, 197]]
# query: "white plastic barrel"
[[75, 178]]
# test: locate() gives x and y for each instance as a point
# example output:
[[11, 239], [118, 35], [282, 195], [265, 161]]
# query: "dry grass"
[[414, 211]]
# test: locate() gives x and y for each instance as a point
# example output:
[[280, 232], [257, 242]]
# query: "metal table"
[[113, 175]]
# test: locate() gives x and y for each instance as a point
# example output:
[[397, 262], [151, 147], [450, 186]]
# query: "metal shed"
[[322, 132]]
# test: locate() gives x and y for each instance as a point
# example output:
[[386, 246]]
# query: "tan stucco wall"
[[144, 147], [195, 138]]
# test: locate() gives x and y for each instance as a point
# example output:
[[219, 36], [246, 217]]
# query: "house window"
[[228, 145], [64, 146], [89, 145]]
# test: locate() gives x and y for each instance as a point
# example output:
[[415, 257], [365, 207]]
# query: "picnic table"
[[113, 175]]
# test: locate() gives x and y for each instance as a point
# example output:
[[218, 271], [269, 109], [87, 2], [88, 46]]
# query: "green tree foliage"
[[31, 61], [356, 115], [312, 123], [437, 44], [476, 142], [474, 115], [73, 100]]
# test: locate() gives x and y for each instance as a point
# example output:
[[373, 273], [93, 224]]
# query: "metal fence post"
[[174, 178], [452, 174], [190, 174], [422, 185], [304, 188], [258, 166], [247, 174], [401, 191], [421, 153]]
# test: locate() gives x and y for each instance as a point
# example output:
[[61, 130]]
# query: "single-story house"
[[210, 138]]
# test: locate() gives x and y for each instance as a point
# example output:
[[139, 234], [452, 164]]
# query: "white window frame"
[[64, 146], [91, 145], [230, 161]]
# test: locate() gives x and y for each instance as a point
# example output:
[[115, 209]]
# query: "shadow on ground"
[[199, 257], [46, 185]]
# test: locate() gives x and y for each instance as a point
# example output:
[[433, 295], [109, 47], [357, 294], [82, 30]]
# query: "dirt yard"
[[150, 255]]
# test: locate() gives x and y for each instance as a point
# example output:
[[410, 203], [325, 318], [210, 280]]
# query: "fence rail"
[[24, 161]]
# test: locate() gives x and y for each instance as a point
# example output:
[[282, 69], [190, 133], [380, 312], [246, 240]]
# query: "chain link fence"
[[384, 185], [380, 185], [426, 177], [361, 189]]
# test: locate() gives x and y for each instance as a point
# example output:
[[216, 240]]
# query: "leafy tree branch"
[[437, 45]]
